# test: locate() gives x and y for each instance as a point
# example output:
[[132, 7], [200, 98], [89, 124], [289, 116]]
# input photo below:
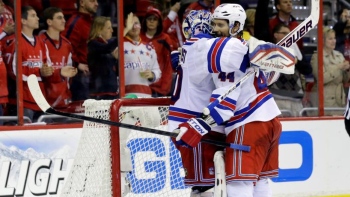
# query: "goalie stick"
[[296, 34], [39, 98]]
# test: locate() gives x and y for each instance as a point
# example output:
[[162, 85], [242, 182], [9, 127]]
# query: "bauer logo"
[[295, 156], [297, 35]]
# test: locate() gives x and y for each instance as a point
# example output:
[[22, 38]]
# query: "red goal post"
[[153, 162]]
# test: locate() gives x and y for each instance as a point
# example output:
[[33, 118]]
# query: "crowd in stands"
[[72, 49]]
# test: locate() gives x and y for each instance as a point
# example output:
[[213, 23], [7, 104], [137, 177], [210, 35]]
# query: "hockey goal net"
[[106, 155]]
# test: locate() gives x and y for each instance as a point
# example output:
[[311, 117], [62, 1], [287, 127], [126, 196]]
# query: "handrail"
[[26, 118], [286, 111], [53, 116], [301, 113]]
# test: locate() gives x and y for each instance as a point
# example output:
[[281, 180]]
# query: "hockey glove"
[[175, 56], [192, 131]]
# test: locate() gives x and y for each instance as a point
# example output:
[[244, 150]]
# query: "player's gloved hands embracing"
[[192, 131]]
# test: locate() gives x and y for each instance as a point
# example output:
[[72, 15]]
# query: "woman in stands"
[[140, 63], [335, 74], [102, 60]]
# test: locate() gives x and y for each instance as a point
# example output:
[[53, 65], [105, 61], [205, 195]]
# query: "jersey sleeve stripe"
[[259, 101], [181, 115], [229, 103], [214, 55]]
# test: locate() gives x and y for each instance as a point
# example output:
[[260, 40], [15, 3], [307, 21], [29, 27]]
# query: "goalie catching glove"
[[192, 131]]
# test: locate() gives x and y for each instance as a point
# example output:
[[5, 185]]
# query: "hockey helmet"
[[197, 21], [232, 13]]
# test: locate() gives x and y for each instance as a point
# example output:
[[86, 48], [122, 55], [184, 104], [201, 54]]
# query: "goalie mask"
[[232, 13], [197, 21]]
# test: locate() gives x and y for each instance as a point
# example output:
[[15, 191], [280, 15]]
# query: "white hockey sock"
[[240, 188], [262, 188]]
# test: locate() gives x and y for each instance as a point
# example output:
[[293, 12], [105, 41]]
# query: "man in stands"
[[284, 15], [33, 62], [59, 50], [77, 32]]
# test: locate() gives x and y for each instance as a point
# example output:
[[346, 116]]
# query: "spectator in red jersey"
[[33, 62], [152, 33], [102, 60], [6, 28], [77, 32], [172, 26], [59, 50], [3, 88], [284, 15], [200, 5]]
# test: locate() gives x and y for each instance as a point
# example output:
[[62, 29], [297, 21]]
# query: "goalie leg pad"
[[220, 174], [199, 160], [125, 184]]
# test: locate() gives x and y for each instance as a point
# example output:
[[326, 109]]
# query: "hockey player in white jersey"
[[192, 92], [249, 112]]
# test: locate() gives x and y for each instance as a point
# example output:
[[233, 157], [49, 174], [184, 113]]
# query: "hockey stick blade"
[[296, 34], [39, 98]]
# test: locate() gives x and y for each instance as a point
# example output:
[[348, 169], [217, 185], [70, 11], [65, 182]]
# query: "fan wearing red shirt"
[[284, 9], [6, 28], [33, 62], [200, 5], [59, 50], [152, 33]]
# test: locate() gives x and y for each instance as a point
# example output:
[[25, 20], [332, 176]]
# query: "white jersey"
[[198, 76], [192, 89], [139, 56], [249, 102]]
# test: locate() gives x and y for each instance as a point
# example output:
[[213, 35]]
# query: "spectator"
[[287, 90], [250, 21], [172, 26], [33, 62], [6, 20], [335, 73], [102, 60], [77, 32], [200, 5], [3, 88], [152, 33], [7, 28], [140, 63], [59, 50], [342, 31], [283, 15]]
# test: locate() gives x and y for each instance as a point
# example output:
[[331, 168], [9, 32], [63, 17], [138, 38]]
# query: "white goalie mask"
[[197, 21], [232, 13]]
